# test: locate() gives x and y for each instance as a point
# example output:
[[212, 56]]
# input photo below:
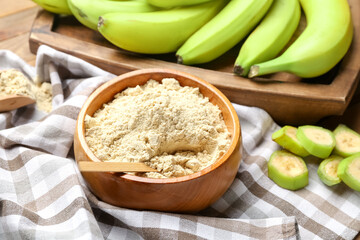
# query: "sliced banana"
[[349, 171], [318, 141], [327, 170], [286, 137], [288, 170], [347, 141]]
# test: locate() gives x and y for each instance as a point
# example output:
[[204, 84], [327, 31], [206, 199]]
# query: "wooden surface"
[[189, 193], [288, 103], [16, 18], [15, 37], [87, 166]]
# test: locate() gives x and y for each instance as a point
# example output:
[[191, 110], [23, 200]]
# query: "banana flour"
[[13, 81], [171, 128]]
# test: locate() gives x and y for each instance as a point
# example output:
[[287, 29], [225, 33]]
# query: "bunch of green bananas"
[[199, 31]]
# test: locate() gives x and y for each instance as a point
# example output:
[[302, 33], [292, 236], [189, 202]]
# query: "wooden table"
[[16, 18]]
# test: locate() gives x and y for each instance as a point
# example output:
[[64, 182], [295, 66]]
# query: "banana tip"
[[254, 71], [179, 59], [238, 70]]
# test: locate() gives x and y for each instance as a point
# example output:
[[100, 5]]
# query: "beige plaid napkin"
[[43, 196]]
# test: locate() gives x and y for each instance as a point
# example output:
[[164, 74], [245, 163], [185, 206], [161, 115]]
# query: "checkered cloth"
[[43, 195]]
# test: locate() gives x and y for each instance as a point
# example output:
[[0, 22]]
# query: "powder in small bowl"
[[171, 128], [14, 82]]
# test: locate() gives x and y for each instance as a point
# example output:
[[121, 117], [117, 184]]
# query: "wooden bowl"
[[189, 193]]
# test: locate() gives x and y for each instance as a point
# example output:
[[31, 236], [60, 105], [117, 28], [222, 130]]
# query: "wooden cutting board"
[[299, 101]]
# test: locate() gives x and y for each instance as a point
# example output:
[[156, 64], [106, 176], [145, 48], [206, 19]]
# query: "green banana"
[[347, 141], [286, 137], [223, 32], [58, 6], [318, 141], [157, 32], [327, 170], [270, 36], [288, 170], [320, 47], [175, 3], [88, 11], [349, 171]]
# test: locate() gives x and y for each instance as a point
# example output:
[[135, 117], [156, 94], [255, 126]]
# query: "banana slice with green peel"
[[327, 170], [318, 141], [347, 141], [286, 137], [349, 171], [288, 170]]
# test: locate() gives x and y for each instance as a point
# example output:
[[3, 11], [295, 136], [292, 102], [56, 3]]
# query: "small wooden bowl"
[[189, 193]]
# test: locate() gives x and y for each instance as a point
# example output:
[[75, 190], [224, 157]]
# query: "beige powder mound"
[[14, 82], [168, 127], [43, 96]]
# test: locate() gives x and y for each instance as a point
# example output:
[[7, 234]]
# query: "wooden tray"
[[293, 103]]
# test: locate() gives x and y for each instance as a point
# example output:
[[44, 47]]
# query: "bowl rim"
[[236, 131]]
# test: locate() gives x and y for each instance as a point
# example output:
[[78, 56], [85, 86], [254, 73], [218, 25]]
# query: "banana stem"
[[179, 59], [254, 71], [272, 66], [239, 70]]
